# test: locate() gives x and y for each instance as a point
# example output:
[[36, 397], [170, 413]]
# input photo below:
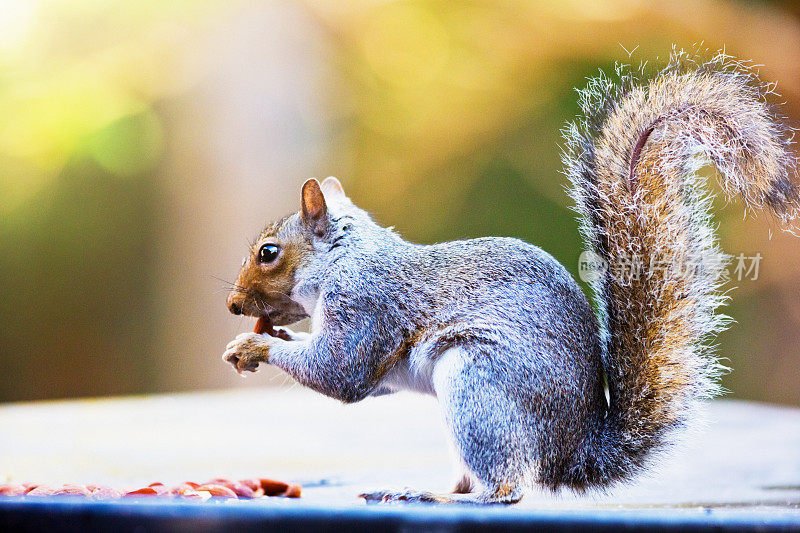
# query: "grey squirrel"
[[498, 331]]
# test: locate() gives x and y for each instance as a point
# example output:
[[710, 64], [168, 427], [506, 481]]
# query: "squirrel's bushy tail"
[[633, 165]]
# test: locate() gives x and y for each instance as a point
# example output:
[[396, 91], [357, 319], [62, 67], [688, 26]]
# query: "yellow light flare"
[[16, 22], [405, 44]]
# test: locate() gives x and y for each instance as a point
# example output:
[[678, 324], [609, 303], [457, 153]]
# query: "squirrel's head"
[[269, 272]]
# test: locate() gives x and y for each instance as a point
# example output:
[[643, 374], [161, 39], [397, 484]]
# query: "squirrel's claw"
[[246, 351], [239, 363]]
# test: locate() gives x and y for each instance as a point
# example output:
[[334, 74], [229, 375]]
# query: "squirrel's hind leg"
[[490, 431]]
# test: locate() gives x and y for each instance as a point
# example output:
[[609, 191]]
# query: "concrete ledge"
[[742, 469]]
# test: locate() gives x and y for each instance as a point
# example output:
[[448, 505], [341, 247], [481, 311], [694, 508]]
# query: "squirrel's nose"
[[234, 306]]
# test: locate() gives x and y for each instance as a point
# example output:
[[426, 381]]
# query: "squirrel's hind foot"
[[414, 496], [404, 496]]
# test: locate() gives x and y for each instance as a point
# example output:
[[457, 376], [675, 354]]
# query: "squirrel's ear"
[[333, 188], [313, 208]]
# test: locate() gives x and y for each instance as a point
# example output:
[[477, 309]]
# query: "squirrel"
[[536, 388]]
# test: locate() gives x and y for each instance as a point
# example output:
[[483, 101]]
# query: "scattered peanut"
[[217, 491], [272, 487], [12, 489], [215, 488]]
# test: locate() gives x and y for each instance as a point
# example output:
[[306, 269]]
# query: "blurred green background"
[[143, 143]]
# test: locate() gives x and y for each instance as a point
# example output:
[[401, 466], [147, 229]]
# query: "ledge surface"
[[741, 468]]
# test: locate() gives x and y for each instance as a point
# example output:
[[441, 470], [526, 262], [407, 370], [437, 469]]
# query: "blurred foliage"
[[118, 181], [80, 141]]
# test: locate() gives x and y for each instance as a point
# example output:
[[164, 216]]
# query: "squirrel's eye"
[[268, 253]]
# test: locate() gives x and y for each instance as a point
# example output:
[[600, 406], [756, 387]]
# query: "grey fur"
[[527, 328], [499, 331]]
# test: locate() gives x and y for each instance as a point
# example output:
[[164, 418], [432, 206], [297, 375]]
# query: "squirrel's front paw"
[[247, 350]]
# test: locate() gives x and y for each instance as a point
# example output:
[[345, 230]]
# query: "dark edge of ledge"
[[64, 514]]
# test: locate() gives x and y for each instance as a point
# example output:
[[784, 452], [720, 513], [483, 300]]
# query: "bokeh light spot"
[[405, 44], [130, 146]]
